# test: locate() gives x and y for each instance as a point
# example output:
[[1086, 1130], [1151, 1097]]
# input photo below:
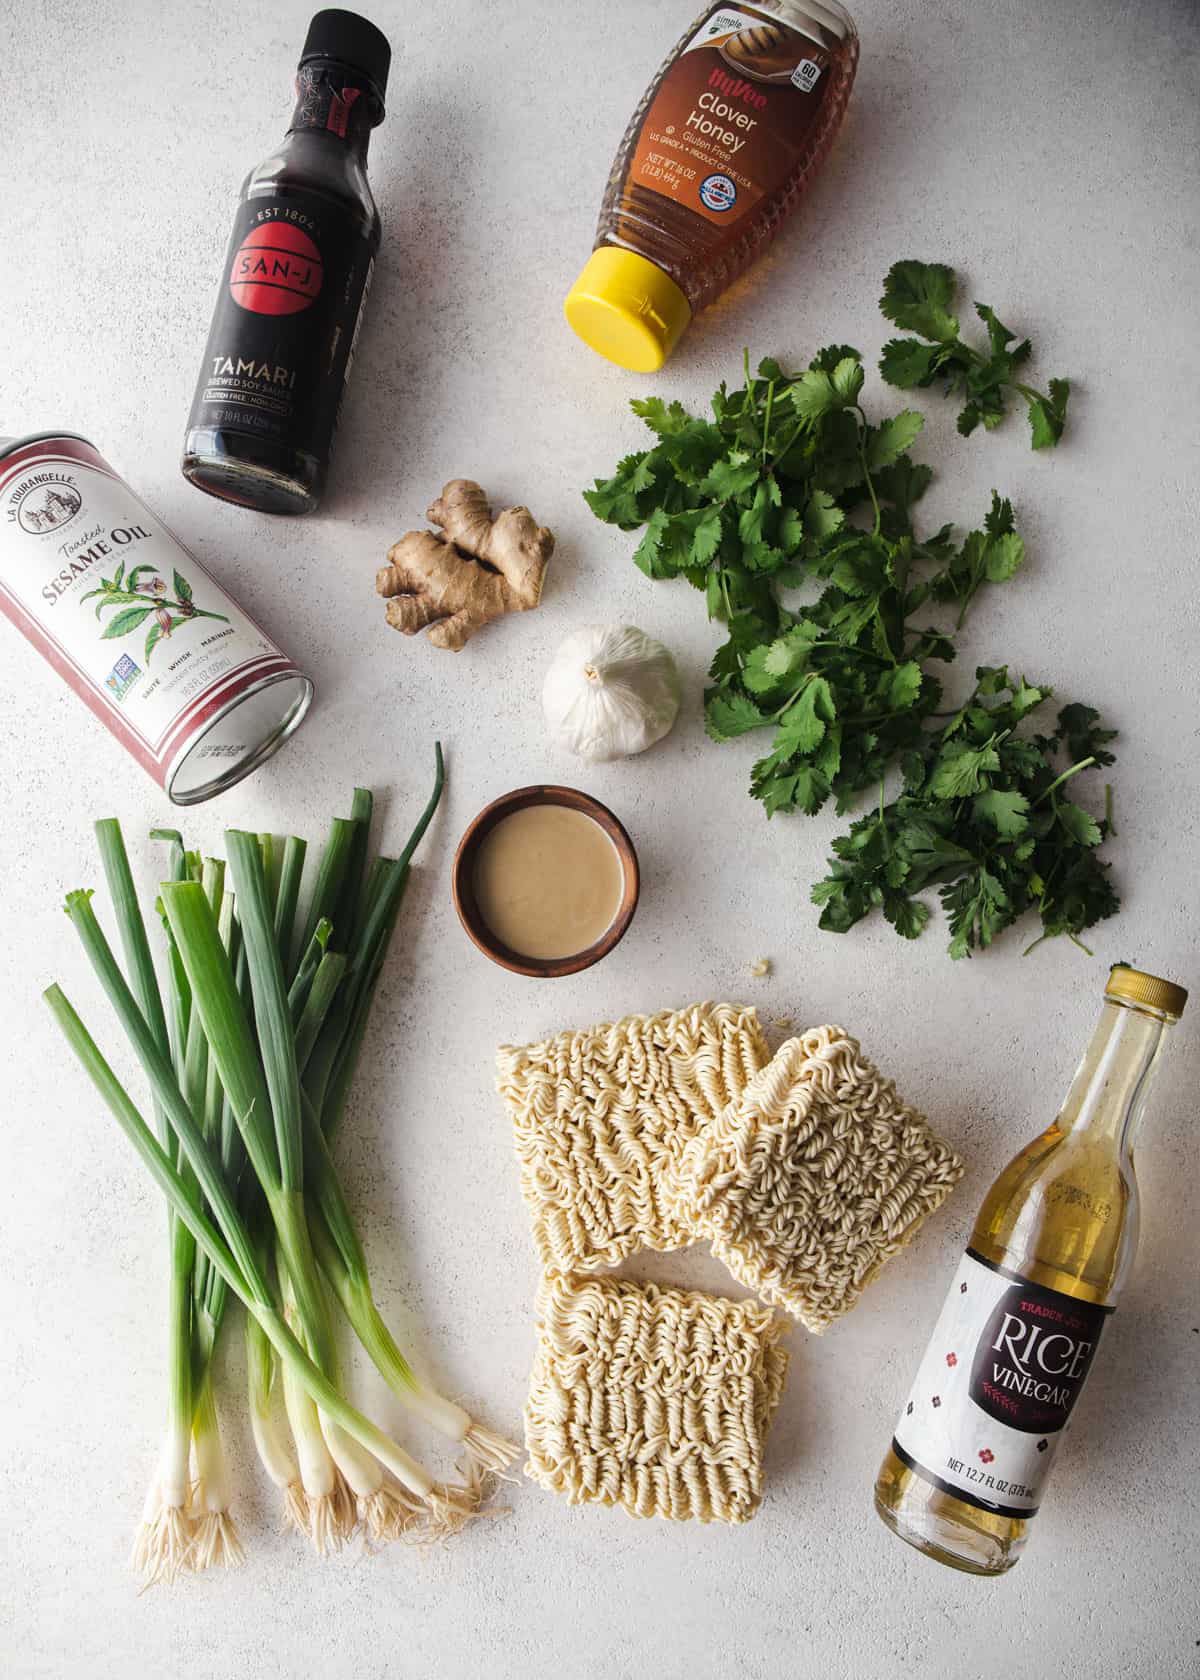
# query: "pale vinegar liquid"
[[1063, 1214]]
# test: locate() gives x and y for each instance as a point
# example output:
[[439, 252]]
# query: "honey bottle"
[[1049, 1254], [735, 125]]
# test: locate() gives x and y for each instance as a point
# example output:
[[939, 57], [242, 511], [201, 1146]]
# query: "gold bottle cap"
[[1131, 985]]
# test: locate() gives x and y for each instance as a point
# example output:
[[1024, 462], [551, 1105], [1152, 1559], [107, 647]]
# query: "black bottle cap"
[[352, 40]]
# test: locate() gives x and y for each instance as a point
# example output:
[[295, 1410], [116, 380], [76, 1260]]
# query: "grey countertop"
[[1048, 151]]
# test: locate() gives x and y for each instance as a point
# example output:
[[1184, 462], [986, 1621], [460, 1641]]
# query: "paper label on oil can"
[[125, 614], [996, 1387], [732, 116]]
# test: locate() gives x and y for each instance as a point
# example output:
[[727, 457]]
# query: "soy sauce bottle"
[[295, 280]]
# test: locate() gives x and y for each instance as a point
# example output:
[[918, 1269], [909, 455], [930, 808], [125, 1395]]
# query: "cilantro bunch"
[[789, 487], [983, 816], [918, 297]]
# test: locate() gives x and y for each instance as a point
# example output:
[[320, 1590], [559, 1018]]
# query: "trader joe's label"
[[125, 614], [996, 1386]]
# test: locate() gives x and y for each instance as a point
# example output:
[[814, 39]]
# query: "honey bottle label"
[[731, 115], [996, 1387]]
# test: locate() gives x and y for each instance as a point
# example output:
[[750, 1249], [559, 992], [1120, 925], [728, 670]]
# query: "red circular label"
[[276, 270]]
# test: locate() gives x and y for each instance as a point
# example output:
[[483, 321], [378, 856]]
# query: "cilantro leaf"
[[728, 478], [1048, 415], [907, 915], [909, 364], [960, 768], [728, 715], [1079, 729], [1002, 556], [828, 358], [1079, 824], [706, 536], [804, 789], [888, 442], [771, 664], [661, 417], [802, 726], [917, 296], [847, 378], [1005, 809], [822, 516], [815, 394]]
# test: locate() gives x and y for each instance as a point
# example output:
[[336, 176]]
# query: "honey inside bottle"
[[731, 131]]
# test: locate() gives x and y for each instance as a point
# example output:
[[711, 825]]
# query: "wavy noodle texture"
[[600, 1116], [814, 1177], [658, 1400]]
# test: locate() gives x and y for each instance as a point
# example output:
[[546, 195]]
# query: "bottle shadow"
[[413, 326]]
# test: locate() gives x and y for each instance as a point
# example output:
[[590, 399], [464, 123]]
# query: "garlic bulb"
[[611, 690]]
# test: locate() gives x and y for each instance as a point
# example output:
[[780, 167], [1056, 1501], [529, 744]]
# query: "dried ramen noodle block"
[[814, 1177], [658, 1400], [601, 1115]]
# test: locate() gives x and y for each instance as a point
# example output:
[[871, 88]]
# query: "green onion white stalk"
[[275, 1455], [164, 1543], [330, 1509]]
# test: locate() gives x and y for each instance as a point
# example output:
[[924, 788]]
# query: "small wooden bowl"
[[463, 881]]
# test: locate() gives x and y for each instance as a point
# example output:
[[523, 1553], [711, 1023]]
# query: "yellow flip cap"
[[628, 309]]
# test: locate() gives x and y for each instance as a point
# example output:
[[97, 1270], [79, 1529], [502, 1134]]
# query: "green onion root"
[[162, 1546], [216, 1536]]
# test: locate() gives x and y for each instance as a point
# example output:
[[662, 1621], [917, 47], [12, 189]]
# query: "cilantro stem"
[[793, 697], [793, 435], [876, 717], [859, 653], [1084, 764], [767, 421], [862, 455], [1071, 935]]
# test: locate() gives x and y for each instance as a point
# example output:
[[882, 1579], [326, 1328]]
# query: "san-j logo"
[[276, 270], [44, 503]]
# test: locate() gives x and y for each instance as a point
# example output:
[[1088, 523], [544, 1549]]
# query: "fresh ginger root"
[[478, 570]]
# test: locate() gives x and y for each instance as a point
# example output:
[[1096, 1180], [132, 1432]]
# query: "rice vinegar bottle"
[[1048, 1257]]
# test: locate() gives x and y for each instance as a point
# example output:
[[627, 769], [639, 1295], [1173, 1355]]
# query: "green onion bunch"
[[249, 1048]]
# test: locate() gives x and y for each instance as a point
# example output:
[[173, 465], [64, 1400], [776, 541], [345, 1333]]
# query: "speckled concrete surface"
[[1048, 150]]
